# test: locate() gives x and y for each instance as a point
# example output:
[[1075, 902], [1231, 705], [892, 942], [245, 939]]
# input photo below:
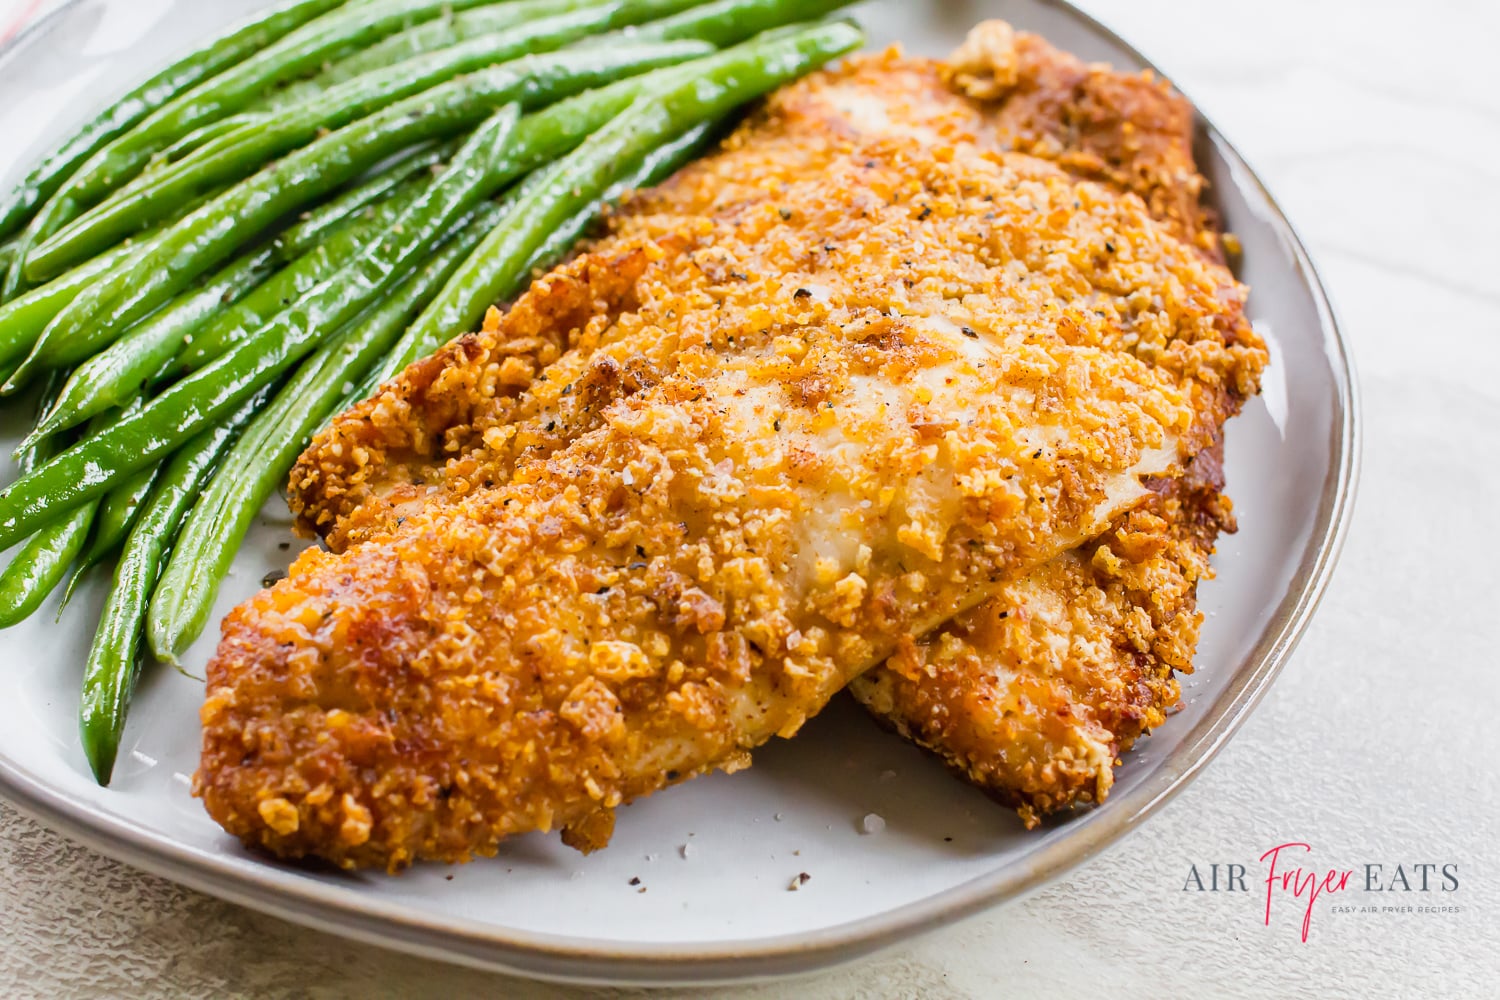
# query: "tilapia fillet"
[[818, 396]]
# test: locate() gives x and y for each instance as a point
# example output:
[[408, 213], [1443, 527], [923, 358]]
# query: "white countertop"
[[1377, 127]]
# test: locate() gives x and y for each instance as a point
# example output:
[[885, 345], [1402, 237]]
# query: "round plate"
[[714, 857]]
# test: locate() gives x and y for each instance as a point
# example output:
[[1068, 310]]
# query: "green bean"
[[48, 176], [114, 660], [128, 365], [37, 568], [113, 375], [729, 22], [114, 517], [73, 194], [44, 351], [33, 454], [576, 18], [23, 319], [195, 139], [260, 460], [54, 212], [159, 165], [118, 511], [288, 285], [125, 156], [425, 38], [214, 231], [202, 323], [56, 216], [40, 564], [390, 178], [8, 253], [705, 89], [95, 465], [537, 81], [310, 46]]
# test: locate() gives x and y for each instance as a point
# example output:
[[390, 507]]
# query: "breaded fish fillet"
[[823, 393], [1106, 671], [699, 573]]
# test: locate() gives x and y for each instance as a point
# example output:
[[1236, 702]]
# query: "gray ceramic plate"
[[719, 908]]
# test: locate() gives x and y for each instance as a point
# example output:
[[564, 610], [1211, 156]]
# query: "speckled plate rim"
[[285, 894]]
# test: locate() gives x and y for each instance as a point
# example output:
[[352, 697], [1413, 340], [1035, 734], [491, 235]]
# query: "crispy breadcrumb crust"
[[814, 397], [1132, 131], [1034, 695]]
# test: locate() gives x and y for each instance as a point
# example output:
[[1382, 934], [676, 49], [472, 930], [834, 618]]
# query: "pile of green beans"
[[244, 71], [196, 281], [123, 115]]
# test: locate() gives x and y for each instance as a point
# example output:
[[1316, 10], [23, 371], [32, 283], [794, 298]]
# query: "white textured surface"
[[1377, 126]]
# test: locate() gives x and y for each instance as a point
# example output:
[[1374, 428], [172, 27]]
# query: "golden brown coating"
[[1034, 695], [1128, 130]]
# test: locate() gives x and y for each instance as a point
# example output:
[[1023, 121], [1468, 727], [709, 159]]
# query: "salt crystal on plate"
[[872, 823]]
